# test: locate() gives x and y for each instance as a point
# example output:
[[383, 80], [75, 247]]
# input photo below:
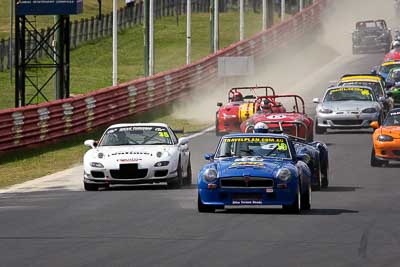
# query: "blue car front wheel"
[[295, 207]]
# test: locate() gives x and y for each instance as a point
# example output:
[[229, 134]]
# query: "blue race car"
[[318, 163], [384, 69], [255, 169]]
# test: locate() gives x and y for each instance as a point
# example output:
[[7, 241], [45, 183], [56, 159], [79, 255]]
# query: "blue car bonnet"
[[253, 166]]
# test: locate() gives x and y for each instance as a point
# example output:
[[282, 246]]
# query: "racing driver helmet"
[[261, 127], [237, 96], [266, 106], [396, 44]]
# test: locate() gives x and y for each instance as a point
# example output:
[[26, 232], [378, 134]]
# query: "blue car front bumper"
[[270, 196]]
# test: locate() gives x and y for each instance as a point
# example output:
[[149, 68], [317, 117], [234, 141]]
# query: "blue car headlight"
[[385, 138], [210, 175], [96, 165], [284, 175], [325, 110], [369, 110]]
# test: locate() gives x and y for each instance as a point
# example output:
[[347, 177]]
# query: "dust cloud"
[[296, 61], [342, 15]]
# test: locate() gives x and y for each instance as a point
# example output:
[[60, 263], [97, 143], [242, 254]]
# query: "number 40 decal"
[[163, 134]]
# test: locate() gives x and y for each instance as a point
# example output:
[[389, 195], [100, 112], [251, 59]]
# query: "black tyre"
[[325, 178], [317, 174], [324, 163], [319, 130], [375, 162], [217, 132], [306, 199], [204, 208], [90, 187], [177, 182], [188, 178], [294, 208]]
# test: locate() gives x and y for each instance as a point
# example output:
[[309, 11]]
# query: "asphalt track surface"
[[354, 222]]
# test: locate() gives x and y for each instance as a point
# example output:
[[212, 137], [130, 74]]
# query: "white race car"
[[137, 153]]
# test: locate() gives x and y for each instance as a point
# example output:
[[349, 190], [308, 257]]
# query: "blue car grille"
[[246, 182]]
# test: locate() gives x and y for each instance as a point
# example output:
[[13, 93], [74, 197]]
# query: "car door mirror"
[[183, 141], [381, 99], [219, 104], [316, 100], [90, 143], [374, 72], [208, 156], [374, 124]]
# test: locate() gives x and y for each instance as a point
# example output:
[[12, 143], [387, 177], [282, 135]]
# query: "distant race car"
[[137, 153], [371, 36], [392, 55], [394, 92], [347, 107], [242, 103], [386, 139], [375, 82], [255, 169], [393, 77], [304, 128], [384, 69]]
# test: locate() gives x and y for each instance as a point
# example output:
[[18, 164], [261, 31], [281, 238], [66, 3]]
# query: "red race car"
[[296, 122], [242, 103]]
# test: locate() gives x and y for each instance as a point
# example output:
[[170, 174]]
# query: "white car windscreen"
[[134, 135]]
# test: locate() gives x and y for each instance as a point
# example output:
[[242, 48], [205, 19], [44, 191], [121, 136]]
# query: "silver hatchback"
[[347, 107]]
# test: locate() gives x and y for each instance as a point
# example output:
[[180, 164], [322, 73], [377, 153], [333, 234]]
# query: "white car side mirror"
[[316, 100], [381, 99], [90, 143], [183, 141]]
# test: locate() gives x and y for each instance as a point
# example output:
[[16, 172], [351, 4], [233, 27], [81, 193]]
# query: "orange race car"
[[386, 139]]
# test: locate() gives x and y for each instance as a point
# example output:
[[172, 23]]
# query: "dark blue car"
[[255, 169]]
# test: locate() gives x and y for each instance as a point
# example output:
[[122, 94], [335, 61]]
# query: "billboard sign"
[[235, 66], [48, 7]]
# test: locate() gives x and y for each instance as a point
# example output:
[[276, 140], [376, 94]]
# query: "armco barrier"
[[38, 123]]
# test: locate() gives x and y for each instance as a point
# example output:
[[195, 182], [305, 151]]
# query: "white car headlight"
[[325, 110], [385, 138], [284, 175], [210, 175], [369, 110], [161, 163], [96, 165]]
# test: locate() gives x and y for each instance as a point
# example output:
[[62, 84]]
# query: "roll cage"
[[257, 90]]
